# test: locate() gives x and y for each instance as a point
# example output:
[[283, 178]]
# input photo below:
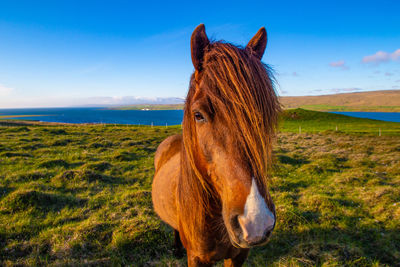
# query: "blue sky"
[[63, 53]]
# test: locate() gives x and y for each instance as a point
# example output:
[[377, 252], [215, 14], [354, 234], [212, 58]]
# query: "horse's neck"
[[204, 218]]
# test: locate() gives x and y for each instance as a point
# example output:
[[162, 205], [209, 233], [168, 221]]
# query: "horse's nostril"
[[235, 222], [268, 234], [258, 240]]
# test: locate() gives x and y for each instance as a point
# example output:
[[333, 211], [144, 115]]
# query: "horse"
[[210, 182]]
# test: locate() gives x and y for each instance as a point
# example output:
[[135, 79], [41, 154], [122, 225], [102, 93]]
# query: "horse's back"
[[170, 146], [167, 165]]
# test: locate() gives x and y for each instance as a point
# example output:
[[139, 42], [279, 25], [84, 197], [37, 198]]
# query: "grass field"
[[296, 120], [80, 195]]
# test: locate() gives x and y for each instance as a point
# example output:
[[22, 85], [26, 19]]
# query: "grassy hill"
[[295, 120], [80, 194], [386, 101]]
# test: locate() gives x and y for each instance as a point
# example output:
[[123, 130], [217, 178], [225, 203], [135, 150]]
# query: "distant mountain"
[[385, 100]]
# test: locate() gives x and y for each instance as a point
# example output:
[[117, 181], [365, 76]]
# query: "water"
[[98, 115], [382, 116], [142, 117]]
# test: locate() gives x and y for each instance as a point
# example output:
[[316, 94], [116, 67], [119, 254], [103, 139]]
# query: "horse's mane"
[[239, 87]]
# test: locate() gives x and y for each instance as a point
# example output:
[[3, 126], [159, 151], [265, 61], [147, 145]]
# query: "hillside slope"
[[387, 100]]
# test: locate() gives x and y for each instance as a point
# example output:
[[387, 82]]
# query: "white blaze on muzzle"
[[257, 220]]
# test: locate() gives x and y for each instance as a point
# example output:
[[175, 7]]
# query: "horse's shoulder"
[[169, 147]]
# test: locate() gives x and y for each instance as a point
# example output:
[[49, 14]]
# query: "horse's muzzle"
[[245, 238]]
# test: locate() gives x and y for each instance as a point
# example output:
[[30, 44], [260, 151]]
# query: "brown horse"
[[210, 182]]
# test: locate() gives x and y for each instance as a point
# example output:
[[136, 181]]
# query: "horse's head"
[[229, 121]]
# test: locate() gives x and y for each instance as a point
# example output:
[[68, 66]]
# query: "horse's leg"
[[178, 247], [194, 261], [238, 260]]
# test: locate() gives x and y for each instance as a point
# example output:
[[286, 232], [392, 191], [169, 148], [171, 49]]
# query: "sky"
[[71, 53]]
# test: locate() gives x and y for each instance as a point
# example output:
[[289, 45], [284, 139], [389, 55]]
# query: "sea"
[[138, 117], [97, 115], [382, 116]]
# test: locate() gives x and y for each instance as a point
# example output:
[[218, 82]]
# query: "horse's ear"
[[257, 44], [198, 43]]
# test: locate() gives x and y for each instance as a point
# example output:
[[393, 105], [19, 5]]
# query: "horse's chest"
[[217, 247], [220, 252]]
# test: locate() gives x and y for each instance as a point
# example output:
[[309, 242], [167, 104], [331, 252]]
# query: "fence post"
[[379, 131]]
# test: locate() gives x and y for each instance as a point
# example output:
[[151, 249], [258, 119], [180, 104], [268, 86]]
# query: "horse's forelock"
[[241, 89]]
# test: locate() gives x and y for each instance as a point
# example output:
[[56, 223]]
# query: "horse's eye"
[[199, 117]]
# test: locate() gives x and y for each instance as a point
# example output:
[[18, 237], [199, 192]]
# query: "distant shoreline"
[[390, 118], [372, 101], [150, 107], [324, 108], [18, 116]]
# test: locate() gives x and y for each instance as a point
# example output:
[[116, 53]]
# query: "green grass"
[[313, 121], [80, 195]]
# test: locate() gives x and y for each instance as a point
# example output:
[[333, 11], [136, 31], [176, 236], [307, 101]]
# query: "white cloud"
[[396, 54], [341, 90], [51, 101], [335, 91], [339, 64], [5, 91], [382, 56], [294, 74], [126, 100]]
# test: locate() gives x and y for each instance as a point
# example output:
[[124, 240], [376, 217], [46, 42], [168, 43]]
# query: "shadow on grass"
[[15, 154], [291, 160], [127, 156], [22, 200], [53, 163], [289, 186], [30, 176], [86, 175], [5, 190]]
